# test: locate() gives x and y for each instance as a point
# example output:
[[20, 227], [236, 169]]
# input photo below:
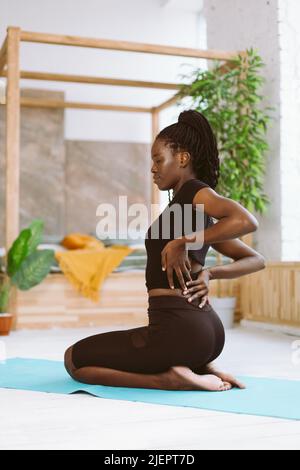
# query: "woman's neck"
[[181, 183]]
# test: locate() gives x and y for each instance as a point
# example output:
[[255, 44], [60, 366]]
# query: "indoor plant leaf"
[[231, 102], [18, 252], [36, 228], [33, 269]]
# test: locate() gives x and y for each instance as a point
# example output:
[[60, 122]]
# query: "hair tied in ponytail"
[[190, 119]]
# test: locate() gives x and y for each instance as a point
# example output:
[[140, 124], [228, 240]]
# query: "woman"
[[176, 349]]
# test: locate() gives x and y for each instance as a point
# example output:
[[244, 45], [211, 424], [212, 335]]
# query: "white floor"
[[33, 420]]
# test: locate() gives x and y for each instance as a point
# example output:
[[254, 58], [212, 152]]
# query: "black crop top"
[[155, 276]]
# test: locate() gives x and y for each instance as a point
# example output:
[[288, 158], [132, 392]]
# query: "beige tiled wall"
[[63, 182], [100, 172], [42, 165]]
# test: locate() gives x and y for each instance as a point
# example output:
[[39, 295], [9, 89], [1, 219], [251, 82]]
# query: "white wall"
[[133, 20], [237, 25], [289, 36], [273, 27]]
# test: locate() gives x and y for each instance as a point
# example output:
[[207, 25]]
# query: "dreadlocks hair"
[[193, 133]]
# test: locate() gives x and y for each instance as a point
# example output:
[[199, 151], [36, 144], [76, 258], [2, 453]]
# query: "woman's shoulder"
[[191, 188], [197, 183], [194, 186]]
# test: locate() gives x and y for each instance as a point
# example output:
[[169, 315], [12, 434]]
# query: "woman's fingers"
[[197, 288], [180, 277], [186, 273], [203, 301], [188, 264], [170, 277], [198, 295], [193, 283], [163, 260]]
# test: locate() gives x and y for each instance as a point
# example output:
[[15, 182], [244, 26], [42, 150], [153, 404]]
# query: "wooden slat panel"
[[55, 302], [272, 295]]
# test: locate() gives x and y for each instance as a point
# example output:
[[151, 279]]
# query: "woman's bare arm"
[[246, 260], [233, 219]]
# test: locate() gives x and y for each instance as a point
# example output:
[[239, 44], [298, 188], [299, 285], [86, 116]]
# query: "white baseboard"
[[286, 329]]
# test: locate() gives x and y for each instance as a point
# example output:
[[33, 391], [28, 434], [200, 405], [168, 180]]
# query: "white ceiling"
[[187, 5]]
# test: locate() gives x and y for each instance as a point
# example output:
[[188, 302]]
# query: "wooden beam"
[[3, 55], [42, 103], [12, 150], [110, 44], [56, 77], [174, 99]]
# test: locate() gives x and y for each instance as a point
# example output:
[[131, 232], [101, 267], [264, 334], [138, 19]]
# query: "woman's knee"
[[69, 366]]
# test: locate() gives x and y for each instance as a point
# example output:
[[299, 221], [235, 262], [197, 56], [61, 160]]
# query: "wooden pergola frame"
[[10, 68]]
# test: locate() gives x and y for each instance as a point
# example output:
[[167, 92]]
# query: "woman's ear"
[[184, 158]]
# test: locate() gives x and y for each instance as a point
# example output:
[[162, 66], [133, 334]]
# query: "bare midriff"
[[195, 267]]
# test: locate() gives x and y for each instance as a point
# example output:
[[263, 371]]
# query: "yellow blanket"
[[87, 262]]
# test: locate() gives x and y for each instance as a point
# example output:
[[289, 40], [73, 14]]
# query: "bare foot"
[[183, 378], [224, 376]]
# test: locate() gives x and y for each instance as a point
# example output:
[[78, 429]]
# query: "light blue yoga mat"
[[263, 396]]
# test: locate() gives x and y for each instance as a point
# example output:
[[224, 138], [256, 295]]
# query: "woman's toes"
[[233, 381], [225, 386], [240, 384], [183, 378], [209, 382]]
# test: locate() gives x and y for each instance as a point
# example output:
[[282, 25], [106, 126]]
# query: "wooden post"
[[3, 55], [12, 151], [154, 189]]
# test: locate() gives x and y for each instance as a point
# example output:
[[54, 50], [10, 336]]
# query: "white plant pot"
[[224, 307]]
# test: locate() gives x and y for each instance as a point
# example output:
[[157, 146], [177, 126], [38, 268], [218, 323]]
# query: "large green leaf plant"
[[229, 97], [26, 265]]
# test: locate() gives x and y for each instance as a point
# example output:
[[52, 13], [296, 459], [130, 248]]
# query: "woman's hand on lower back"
[[174, 257], [199, 288]]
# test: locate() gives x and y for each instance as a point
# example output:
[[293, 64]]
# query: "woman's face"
[[165, 168]]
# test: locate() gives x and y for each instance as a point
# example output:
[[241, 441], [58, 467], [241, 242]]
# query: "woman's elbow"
[[261, 262], [249, 224]]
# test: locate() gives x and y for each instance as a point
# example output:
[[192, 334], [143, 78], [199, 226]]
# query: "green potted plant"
[[24, 267], [228, 96]]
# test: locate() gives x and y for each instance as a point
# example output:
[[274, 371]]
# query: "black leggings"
[[178, 333]]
